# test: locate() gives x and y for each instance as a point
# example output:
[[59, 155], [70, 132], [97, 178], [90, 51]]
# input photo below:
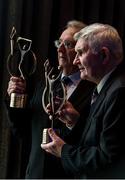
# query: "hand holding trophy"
[[18, 65], [54, 87]]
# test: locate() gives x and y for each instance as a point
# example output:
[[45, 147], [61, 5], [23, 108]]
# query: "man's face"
[[89, 64], [66, 50]]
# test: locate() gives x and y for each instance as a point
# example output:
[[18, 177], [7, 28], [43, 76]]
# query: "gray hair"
[[102, 35], [76, 24]]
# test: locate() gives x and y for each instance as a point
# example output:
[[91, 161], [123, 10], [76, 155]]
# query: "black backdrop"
[[42, 20]]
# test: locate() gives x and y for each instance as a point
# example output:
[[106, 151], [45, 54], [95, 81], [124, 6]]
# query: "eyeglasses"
[[67, 44]]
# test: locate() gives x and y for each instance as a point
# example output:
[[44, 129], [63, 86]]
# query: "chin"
[[82, 75]]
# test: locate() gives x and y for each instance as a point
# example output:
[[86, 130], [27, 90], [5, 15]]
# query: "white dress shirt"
[[75, 78]]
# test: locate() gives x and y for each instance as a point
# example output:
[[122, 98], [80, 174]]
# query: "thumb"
[[52, 134]]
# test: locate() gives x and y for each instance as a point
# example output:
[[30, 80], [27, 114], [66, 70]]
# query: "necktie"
[[68, 85], [94, 96], [66, 80]]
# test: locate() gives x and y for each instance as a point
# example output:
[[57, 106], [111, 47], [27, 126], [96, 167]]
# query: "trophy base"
[[18, 100], [46, 138]]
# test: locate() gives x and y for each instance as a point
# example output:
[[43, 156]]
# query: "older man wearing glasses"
[[41, 164]]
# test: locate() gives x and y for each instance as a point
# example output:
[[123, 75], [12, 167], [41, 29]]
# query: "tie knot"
[[94, 95], [66, 80], [95, 92]]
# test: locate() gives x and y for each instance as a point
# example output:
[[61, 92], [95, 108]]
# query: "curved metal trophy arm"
[[49, 90], [12, 37], [51, 84], [46, 89], [12, 43], [24, 47], [17, 57], [49, 95]]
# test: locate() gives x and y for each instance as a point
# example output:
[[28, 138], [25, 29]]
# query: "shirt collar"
[[75, 77], [103, 81]]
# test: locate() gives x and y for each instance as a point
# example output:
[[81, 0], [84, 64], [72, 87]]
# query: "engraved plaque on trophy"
[[21, 62], [54, 87]]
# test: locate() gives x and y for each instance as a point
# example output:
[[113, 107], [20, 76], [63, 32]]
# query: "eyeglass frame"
[[71, 44]]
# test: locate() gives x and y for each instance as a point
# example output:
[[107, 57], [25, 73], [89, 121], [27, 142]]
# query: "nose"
[[61, 48], [76, 60]]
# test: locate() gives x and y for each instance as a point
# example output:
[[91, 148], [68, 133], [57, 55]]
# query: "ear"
[[105, 55], [102, 54]]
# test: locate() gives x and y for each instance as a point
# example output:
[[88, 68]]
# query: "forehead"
[[68, 33], [80, 44]]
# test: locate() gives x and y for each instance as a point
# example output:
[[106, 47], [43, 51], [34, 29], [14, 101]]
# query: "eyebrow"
[[78, 49], [82, 49], [71, 40]]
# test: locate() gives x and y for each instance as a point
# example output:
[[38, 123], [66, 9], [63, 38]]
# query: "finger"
[[18, 84], [47, 149], [16, 79], [48, 107], [44, 146], [61, 117], [52, 134], [15, 87]]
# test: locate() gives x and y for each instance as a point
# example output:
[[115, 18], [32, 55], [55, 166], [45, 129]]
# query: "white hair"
[[99, 35]]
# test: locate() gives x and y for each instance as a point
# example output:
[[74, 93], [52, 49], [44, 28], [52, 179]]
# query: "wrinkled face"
[[89, 64], [66, 50]]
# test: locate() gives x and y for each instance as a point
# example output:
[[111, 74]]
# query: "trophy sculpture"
[[18, 64], [52, 84]]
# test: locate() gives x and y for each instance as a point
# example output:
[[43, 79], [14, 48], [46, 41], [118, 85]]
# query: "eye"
[[57, 43], [80, 52], [69, 44]]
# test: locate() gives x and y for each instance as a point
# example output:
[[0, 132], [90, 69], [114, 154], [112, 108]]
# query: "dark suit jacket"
[[41, 164], [101, 150]]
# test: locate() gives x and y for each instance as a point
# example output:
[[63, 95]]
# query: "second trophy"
[[54, 88]]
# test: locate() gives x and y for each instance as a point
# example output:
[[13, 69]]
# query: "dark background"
[[42, 21]]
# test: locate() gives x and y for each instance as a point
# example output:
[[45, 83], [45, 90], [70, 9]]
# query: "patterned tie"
[[66, 80], [94, 96]]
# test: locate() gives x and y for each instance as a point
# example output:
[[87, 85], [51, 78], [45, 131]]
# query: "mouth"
[[61, 57], [81, 69]]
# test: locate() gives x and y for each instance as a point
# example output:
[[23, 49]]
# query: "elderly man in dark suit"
[[43, 165], [100, 152]]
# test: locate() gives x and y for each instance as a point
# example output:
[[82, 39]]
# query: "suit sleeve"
[[19, 119], [106, 146]]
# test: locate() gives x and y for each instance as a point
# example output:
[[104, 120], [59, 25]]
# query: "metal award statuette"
[[21, 62], [52, 85]]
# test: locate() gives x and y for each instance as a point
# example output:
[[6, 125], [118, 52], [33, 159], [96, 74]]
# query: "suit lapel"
[[83, 90], [95, 107], [76, 92]]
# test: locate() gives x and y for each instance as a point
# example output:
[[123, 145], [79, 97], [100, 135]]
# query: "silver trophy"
[[52, 83], [19, 55]]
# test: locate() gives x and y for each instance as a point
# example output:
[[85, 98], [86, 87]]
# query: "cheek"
[[89, 60], [72, 56], [84, 60]]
